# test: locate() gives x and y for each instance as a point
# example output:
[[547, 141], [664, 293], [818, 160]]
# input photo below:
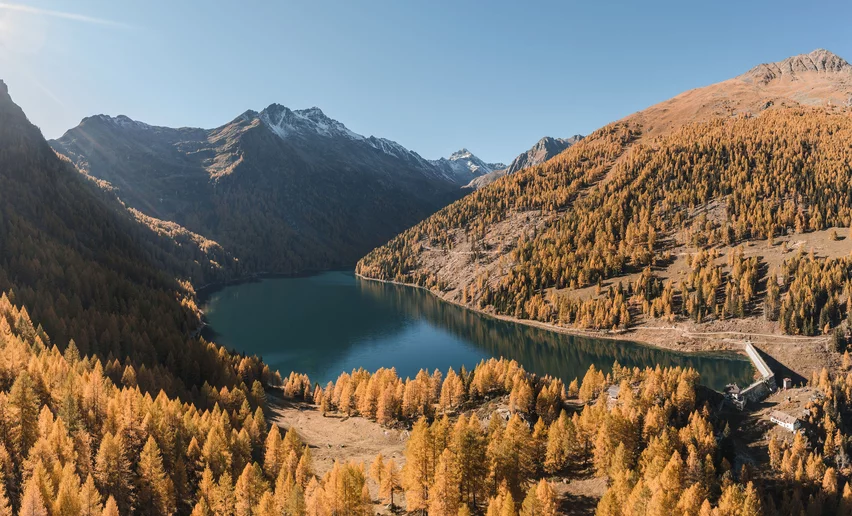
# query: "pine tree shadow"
[[577, 504]]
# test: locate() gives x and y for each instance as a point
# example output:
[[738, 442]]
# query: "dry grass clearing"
[[361, 440]]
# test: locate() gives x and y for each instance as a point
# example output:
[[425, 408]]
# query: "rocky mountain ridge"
[[545, 149], [282, 190], [819, 61]]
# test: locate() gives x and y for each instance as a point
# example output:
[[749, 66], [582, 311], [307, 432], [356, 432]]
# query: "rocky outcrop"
[[819, 61], [543, 150]]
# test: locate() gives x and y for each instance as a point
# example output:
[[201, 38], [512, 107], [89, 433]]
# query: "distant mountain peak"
[[461, 154], [820, 61], [543, 150], [122, 121], [287, 123], [462, 166]]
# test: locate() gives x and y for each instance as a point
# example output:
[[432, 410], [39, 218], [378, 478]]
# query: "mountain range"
[[282, 190]]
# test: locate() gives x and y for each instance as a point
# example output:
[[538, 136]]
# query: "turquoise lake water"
[[332, 322]]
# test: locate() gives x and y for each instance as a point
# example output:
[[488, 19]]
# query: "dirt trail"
[[745, 334]]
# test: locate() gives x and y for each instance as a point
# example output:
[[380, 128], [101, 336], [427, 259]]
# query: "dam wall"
[[766, 384]]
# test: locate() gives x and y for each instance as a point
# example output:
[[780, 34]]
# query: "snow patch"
[[286, 123], [122, 121]]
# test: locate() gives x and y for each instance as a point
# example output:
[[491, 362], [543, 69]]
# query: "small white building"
[[786, 421], [614, 391]]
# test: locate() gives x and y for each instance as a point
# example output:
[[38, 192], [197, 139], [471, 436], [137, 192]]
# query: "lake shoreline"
[[655, 337], [623, 336]]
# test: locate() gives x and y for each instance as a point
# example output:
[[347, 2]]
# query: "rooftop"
[[783, 417], [614, 391]]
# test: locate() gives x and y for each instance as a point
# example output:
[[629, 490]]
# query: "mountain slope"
[[282, 190], [88, 270], [627, 206], [543, 150]]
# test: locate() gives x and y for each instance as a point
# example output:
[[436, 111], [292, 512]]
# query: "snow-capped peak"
[[463, 165], [459, 168], [462, 154], [473, 161], [286, 123], [122, 121]]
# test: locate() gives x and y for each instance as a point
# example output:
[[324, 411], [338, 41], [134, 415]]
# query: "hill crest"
[[820, 78]]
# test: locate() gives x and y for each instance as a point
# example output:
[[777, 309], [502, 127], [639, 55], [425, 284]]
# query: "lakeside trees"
[[388, 399], [659, 452]]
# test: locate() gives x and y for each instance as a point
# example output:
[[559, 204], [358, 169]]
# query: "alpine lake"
[[331, 322]]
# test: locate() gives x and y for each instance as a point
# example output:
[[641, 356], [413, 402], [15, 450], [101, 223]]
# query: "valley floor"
[[335, 437]]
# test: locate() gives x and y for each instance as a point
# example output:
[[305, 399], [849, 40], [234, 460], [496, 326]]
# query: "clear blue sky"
[[492, 76]]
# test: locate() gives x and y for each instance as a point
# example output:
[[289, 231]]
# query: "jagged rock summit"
[[545, 149], [463, 166], [820, 78], [542, 151], [286, 123], [819, 61]]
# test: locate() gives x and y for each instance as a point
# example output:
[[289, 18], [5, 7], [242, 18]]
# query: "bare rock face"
[[543, 150], [820, 61]]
